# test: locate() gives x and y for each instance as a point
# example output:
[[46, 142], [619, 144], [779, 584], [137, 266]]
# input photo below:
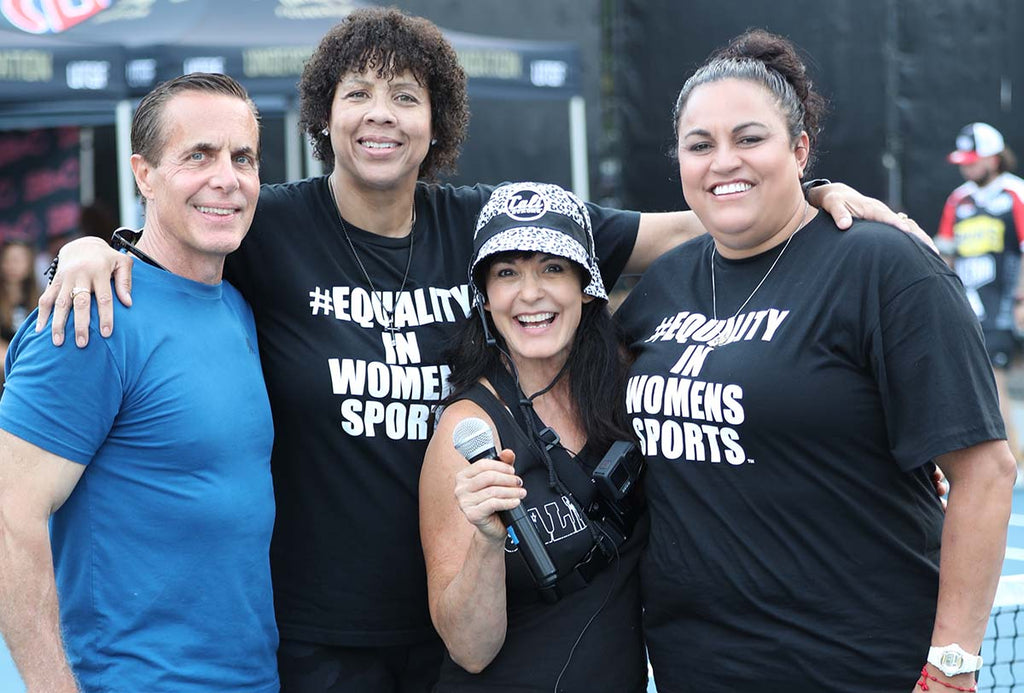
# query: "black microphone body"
[[469, 440]]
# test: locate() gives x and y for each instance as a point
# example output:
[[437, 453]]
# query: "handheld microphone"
[[472, 438]]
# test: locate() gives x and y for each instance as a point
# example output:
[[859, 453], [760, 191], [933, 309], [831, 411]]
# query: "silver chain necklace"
[[723, 336], [389, 315]]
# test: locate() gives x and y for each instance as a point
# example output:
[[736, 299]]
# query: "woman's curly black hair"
[[391, 42]]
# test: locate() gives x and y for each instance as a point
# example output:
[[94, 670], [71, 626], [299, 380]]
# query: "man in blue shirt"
[[151, 449]]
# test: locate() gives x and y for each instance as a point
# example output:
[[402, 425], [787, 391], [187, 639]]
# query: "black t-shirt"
[[540, 636], [351, 401], [794, 531]]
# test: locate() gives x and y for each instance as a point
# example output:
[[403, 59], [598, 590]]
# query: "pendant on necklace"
[[387, 317], [719, 339]]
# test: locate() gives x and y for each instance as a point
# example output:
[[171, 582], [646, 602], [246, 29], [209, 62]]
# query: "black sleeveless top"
[[540, 635]]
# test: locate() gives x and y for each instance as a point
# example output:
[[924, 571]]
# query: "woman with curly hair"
[[356, 279]]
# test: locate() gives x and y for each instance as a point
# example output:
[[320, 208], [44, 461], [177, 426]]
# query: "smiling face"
[[380, 130], [201, 197], [739, 169], [535, 302]]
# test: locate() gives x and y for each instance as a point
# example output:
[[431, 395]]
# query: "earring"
[[433, 141], [325, 132]]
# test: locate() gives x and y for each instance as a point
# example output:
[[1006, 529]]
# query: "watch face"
[[951, 661]]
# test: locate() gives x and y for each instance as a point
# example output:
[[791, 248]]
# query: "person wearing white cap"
[[981, 234]]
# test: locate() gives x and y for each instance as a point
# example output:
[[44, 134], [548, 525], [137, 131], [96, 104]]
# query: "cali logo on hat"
[[526, 205]]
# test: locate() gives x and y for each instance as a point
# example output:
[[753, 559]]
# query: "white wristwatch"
[[953, 659]]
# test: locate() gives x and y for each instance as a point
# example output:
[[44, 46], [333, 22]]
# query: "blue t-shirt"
[[161, 553]]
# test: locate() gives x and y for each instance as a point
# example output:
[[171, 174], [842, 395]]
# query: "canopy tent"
[[83, 60], [45, 75]]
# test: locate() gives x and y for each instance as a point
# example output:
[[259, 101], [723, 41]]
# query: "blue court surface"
[[1003, 678], [9, 679]]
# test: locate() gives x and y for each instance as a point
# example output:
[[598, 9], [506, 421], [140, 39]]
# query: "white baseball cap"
[[975, 141]]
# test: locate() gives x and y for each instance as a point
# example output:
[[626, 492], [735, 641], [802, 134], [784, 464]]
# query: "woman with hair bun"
[[793, 388]]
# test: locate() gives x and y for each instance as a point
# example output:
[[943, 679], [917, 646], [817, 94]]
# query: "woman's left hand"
[[844, 203]]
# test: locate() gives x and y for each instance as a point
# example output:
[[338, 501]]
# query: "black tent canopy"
[[90, 67], [44, 76]]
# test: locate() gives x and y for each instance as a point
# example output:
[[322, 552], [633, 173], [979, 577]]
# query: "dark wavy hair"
[[390, 42], [596, 373], [772, 61]]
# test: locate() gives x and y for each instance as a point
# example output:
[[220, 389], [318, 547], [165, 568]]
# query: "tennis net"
[[1003, 647]]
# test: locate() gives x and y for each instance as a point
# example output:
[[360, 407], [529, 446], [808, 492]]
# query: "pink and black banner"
[[39, 184]]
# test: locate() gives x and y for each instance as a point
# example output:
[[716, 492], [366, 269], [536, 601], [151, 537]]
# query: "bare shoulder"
[[439, 511], [441, 441]]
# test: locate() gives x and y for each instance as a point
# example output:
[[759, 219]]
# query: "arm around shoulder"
[[464, 542], [33, 484], [85, 269], [660, 232]]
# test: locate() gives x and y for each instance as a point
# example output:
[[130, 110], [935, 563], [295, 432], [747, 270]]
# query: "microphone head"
[[472, 437]]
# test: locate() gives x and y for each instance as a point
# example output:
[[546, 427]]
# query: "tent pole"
[[892, 157], [578, 147], [86, 165], [125, 179], [292, 146]]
